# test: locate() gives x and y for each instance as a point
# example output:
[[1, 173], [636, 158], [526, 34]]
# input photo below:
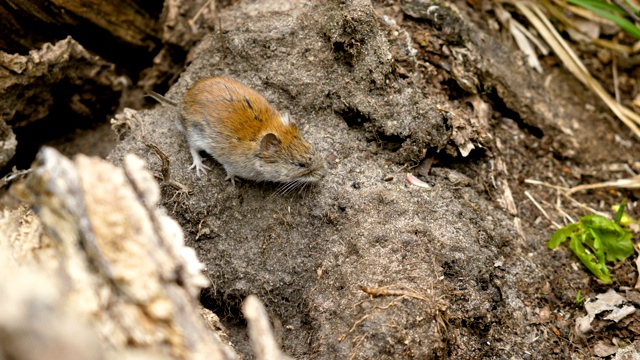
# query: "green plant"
[[611, 12], [596, 240], [579, 298]]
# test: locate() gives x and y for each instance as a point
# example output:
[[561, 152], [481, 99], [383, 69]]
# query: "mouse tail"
[[159, 98]]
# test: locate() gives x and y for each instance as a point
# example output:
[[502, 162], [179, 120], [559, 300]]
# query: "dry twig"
[[375, 292]]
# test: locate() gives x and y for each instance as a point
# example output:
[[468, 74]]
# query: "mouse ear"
[[286, 119], [270, 143]]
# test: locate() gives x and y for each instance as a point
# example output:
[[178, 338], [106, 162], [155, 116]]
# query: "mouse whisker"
[[297, 187], [282, 188], [304, 188], [276, 192], [301, 187], [290, 186], [293, 186]]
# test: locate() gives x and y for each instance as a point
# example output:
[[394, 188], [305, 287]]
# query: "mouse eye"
[[302, 165]]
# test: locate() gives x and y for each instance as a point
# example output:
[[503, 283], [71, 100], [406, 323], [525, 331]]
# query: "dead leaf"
[[601, 349]]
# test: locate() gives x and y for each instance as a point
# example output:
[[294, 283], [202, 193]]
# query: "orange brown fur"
[[238, 127]]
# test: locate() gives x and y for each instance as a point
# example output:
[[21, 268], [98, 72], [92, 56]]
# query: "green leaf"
[[625, 24], [561, 235], [616, 241], [618, 248], [595, 263], [620, 211], [632, 7], [625, 220], [597, 4], [596, 240], [597, 221]]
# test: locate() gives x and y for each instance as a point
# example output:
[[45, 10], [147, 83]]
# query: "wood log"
[[125, 27], [115, 260]]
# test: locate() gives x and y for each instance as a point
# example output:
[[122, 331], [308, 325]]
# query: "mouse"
[[243, 132]]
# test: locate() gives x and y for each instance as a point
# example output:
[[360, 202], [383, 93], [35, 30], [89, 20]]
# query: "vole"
[[239, 128]]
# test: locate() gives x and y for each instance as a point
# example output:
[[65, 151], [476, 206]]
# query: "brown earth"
[[365, 265]]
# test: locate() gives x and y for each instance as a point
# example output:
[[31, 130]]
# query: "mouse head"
[[287, 157]]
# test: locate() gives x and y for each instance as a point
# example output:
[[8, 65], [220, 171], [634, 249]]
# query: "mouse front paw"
[[201, 169]]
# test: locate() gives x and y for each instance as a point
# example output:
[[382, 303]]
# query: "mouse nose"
[[323, 171]]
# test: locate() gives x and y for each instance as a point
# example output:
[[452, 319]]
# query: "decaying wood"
[[28, 24], [112, 257], [34, 322], [263, 342], [8, 143], [30, 84], [183, 21], [54, 82]]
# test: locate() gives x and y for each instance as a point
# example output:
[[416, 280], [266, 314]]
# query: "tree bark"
[[114, 29]]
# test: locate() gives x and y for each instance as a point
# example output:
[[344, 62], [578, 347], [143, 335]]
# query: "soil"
[[366, 265]]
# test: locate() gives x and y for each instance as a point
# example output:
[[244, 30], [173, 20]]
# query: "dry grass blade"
[[605, 43], [537, 18], [628, 183], [586, 207], [621, 48], [537, 205], [616, 81], [525, 46], [542, 183], [197, 15], [524, 39], [565, 192], [544, 49], [588, 15], [533, 200]]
